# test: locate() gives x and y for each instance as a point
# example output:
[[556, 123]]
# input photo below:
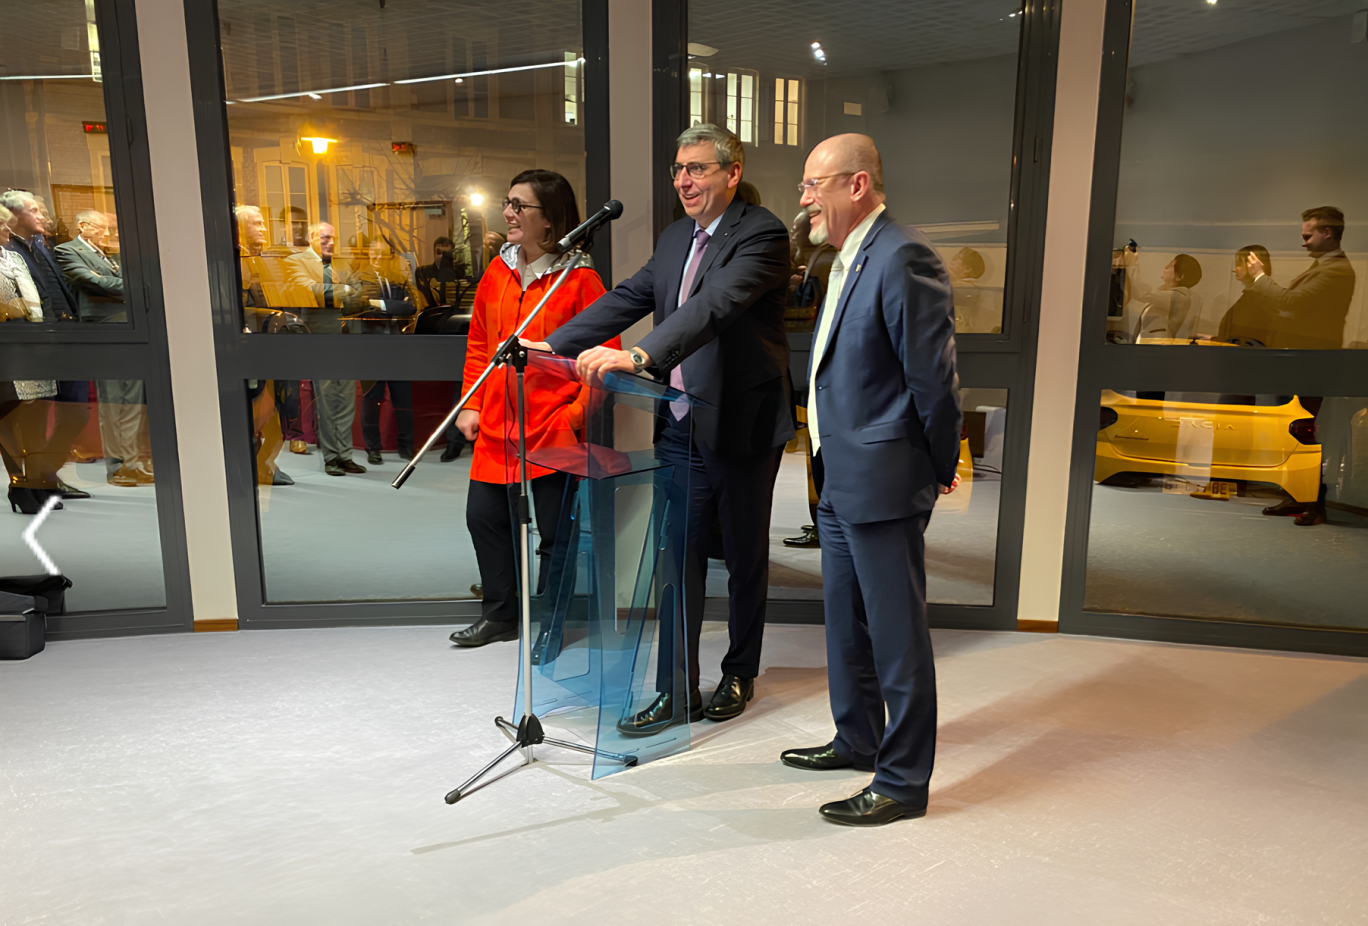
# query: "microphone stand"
[[528, 733]]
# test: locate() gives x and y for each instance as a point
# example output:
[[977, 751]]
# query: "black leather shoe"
[[729, 700], [278, 478], [820, 759], [334, 469], [70, 492], [661, 715], [806, 540], [483, 631], [349, 467], [374, 458], [869, 809]]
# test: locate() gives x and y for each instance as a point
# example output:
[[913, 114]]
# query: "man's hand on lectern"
[[596, 361], [536, 345]]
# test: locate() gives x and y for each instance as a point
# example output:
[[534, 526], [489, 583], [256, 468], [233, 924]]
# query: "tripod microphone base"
[[525, 735]]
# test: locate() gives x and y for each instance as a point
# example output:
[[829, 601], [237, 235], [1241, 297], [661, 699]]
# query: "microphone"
[[611, 210]]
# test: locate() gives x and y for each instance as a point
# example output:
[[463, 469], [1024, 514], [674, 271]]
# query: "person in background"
[[1249, 321], [71, 404], [439, 283], [540, 208], [90, 272], [383, 284], [258, 273], [1172, 311], [1309, 312], [966, 268], [324, 287], [884, 414]]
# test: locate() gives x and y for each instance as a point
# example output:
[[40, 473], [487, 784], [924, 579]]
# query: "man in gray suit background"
[[322, 288], [884, 420], [98, 283]]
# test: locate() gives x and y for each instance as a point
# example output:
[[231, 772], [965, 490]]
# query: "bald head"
[[842, 185], [850, 154]]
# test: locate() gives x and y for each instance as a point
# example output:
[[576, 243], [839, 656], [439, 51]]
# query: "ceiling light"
[[477, 199], [698, 50], [314, 96], [460, 80]]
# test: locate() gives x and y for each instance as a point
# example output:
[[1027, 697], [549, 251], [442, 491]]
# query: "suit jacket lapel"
[[730, 218], [852, 276], [673, 268]]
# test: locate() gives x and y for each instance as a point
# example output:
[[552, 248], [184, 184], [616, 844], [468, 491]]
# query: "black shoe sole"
[[817, 768], [496, 638], [881, 821]]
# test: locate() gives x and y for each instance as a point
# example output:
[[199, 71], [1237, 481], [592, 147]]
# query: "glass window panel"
[[1230, 507], [961, 541], [1204, 184], [321, 534], [55, 171], [85, 436], [395, 126], [935, 89]]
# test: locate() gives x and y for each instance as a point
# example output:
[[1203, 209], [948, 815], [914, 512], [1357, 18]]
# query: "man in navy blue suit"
[[716, 286], [884, 419]]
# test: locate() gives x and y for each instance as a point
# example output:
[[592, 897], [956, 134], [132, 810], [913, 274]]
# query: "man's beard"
[[818, 235]]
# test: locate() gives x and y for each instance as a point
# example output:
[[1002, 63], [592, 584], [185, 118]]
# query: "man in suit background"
[[1310, 311], [884, 420], [28, 231], [322, 287], [90, 272], [716, 287], [383, 286], [98, 283]]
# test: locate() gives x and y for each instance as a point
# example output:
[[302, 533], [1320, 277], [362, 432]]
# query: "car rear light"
[[1109, 417], [1304, 430]]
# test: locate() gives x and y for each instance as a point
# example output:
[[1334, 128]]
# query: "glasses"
[[697, 171], [518, 207], [812, 183]]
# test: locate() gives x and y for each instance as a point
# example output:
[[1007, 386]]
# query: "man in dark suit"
[[28, 240], [90, 272], [715, 286], [1309, 313], [884, 419]]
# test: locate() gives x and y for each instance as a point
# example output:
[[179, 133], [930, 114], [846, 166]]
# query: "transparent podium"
[[607, 628]]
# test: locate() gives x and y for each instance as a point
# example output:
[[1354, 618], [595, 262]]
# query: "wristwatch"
[[639, 360]]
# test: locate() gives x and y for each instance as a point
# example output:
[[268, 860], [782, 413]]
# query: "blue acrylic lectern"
[[611, 602]]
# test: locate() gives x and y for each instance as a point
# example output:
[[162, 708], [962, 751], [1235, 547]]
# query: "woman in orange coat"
[[539, 209]]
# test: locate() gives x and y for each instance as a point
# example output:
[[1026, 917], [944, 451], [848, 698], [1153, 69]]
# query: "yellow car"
[[1205, 442]]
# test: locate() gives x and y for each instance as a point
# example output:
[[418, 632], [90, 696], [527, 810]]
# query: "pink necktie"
[[678, 409]]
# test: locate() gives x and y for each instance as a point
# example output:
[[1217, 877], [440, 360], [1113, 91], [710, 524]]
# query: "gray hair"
[[90, 217], [727, 146], [239, 211], [17, 200], [316, 231]]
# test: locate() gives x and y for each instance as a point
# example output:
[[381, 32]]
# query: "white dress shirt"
[[835, 282]]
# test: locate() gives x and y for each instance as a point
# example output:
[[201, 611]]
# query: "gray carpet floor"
[[296, 777]]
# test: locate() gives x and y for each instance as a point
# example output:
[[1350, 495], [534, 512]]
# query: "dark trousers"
[[739, 491], [287, 405], [401, 395], [879, 660], [495, 535]]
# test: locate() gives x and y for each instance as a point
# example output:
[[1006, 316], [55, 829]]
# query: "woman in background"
[[1172, 310]]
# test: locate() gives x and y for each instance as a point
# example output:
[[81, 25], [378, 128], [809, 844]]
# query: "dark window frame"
[[413, 357], [138, 351], [1169, 368], [989, 361]]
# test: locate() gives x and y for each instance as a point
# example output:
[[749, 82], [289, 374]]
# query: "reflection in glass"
[[961, 541], [354, 125], [83, 445], [936, 91], [1237, 507], [1224, 230], [56, 182], [335, 532]]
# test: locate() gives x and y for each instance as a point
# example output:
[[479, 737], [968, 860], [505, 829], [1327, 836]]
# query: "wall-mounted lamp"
[[320, 144]]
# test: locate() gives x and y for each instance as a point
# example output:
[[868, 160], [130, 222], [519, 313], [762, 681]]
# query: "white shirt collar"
[[712, 227], [82, 239], [855, 240]]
